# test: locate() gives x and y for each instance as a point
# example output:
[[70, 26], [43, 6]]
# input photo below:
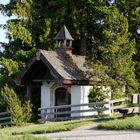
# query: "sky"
[[3, 20]]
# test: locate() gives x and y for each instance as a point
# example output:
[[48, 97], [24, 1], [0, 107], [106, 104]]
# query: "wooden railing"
[[5, 119], [69, 112], [122, 103]]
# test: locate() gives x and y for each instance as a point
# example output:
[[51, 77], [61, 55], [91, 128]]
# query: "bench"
[[129, 110]]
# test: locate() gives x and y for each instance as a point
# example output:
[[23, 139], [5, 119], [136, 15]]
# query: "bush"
[[20, 112], [96, 94]]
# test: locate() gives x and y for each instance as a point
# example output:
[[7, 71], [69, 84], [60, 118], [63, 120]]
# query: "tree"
[[116, 51], [131, 10]]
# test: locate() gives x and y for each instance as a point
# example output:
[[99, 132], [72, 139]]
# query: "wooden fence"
[[5, 119], [69, 112], [118, 103], [64, 112]]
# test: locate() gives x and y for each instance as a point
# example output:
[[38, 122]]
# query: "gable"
[[37, 71]]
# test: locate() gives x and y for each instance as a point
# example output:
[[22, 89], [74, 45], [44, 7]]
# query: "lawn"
[[129, 123], [49, 127], [15, 132], [115, 122], [25, 137]]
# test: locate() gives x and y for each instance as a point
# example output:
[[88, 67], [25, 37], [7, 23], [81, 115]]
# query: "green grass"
[[25, 137], [112, 123], [25, 132], [129, 123], [49, 127]]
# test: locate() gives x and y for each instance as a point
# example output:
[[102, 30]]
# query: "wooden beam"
[[81, 82]]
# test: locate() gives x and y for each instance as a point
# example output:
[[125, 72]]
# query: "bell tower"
[[64, 38]]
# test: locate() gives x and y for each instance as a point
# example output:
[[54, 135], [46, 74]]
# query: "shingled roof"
[[68, 68], [63, 67]]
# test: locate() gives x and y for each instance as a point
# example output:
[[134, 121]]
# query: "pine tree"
[[131, 10], [115, 62]]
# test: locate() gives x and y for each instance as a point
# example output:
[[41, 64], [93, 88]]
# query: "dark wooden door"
[[62, 97]]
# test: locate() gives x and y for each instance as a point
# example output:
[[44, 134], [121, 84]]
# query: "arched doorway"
[[62, 97]]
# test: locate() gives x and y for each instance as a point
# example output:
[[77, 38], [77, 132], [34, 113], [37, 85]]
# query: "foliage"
[[132, 123], [117, 94], [20, 112], [131, 11], [116, 51], [97, 95]]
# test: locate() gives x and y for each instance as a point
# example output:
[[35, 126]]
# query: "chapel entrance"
[[62, 97], [36, 100]]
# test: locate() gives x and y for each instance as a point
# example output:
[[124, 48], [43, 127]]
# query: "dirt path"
[[91, 133]]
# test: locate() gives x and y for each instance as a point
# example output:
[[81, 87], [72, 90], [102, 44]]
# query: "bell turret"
[[64, 38]]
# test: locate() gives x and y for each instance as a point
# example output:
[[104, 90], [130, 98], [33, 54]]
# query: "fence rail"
[[76, 105], [55, 113], [5, 119], [113, 103], [68, 112]]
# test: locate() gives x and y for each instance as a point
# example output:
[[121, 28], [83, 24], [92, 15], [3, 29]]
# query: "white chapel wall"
[[45, 95], [79, 95]]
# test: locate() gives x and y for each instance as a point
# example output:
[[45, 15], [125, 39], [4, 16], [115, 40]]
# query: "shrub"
[[96, 94], [20, 112]]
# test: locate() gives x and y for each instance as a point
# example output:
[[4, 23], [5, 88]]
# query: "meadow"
[[28, 131]]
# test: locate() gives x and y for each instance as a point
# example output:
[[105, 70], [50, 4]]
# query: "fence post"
[[45, 117], [56, 114], [139, 103], [98, 110], [112, 108]]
